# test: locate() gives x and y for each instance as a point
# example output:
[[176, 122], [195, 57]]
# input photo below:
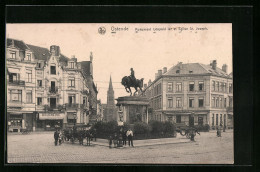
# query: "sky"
[[146, 48]]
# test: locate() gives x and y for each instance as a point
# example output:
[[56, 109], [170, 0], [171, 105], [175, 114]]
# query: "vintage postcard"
[[119, 93]]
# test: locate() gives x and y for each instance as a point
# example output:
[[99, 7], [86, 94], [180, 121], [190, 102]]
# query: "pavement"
[[38, 147]]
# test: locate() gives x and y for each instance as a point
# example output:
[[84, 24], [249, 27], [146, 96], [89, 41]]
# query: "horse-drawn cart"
[[186, 130], [78, 133]]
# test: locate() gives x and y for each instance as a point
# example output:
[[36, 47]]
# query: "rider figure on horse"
[[132, 76]]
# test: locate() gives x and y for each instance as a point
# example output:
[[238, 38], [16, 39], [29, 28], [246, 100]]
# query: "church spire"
[[110, 84]]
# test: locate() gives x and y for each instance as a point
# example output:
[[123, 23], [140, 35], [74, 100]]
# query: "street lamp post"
[[75, 117]]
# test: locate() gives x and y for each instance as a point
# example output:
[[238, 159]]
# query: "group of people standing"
[[58, 137], [120, 139]]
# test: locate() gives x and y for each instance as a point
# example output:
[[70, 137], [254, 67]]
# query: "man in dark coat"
[[56, 137]]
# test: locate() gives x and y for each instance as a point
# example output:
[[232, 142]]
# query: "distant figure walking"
[[130, 135], [56, 137]]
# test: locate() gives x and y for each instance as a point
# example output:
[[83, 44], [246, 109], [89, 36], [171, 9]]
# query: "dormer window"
[[28, 57], [190, 71], [71, 65], [13, 55], [39, 65], [177, 71]]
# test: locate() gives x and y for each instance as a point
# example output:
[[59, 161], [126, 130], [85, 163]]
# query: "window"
[[179, 87], [16, 95], [177, 71], [71, 65], [217, 86], [213, 86], [190, 71], [14, 77], [29, 75], [230, 102], [221, 87], [213, 119], [29, 96], [191, 102], [170, 87], [170, 102], [39, 101], [201, 86], [160, 103], [53, 70], [72, 82], [39, 83], [230, 88], [201, 102], [225, 102], [217, 102], [191, 86], [220, 102], [28, 57], [178, 118], [72, 98], [213, 102], [178, 102], [221, 122], [39, 65], [224, 87], [13, 55], [216, 119]]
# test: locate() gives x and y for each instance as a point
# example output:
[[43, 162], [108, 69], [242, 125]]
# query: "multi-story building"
[[87, 69], [56, 91], [100, 115], [20, 86], [192, 93]]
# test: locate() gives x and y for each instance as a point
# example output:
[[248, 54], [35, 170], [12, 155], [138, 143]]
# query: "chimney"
[[145, 85], [55, 50], [149, 82], [224, 68], [91, 57], [214, 64], [156, 75], [159, 73], [164, 69], [12, 44]]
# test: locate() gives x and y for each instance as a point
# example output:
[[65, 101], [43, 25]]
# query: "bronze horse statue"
[[127, 82]]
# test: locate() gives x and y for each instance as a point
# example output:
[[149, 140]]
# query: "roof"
[[85, 66], [41, 53], [194, 69], [17, 43]]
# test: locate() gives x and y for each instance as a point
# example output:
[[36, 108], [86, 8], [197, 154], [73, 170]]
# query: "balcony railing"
[[53, 90], [84, 106], [52, 107], [18, 82], [72, 106]]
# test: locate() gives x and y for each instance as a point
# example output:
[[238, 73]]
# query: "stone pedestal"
[[132, 109]]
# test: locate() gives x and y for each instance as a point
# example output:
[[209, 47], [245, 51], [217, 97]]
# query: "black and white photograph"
[[119, 93]]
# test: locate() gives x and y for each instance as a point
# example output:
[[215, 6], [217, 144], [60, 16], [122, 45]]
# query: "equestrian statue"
[[131, 81]]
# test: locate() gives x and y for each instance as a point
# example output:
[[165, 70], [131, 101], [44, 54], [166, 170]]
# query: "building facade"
[[192, 93], [45, 89]]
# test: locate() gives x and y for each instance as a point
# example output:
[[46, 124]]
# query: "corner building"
[[45, 89], [205, 91]]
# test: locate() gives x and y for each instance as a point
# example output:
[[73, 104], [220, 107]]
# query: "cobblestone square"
[[39, 148]]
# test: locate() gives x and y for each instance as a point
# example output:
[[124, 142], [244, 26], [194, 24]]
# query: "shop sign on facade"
[[49, 115]]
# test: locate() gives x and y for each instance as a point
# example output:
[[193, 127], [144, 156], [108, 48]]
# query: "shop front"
[[15, 122], [50, 121]]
